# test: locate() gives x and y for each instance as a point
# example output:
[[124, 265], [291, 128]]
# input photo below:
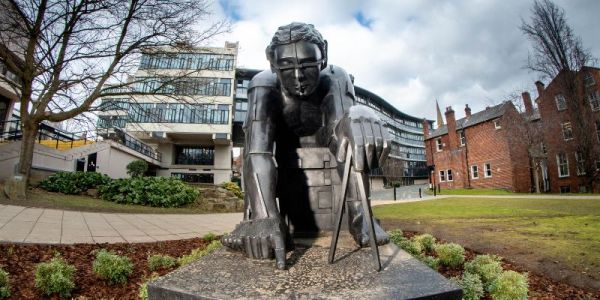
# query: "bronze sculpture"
[[302, 119]]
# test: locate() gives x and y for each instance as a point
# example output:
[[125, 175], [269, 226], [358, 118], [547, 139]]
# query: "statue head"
[[297, 54]]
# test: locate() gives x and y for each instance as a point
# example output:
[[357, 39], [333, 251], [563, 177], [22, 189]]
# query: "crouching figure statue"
[[302, 118]]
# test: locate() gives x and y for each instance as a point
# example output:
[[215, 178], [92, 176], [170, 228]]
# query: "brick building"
[[570, 129], [480, 150]]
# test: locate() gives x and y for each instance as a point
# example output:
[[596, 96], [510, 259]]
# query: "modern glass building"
[[407, 157]]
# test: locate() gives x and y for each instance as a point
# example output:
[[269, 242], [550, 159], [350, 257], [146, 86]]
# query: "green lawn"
[[43, 199], [565, 231]]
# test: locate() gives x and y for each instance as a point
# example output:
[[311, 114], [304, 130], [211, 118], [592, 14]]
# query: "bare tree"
[[65, 51], [558, 54]]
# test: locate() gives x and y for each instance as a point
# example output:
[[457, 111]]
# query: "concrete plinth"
[[229, 275]]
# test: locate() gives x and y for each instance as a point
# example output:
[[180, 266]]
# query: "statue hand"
[[367, 136], [259, 239]]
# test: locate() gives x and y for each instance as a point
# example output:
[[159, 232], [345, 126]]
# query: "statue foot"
[[259, 239], [359, 227]]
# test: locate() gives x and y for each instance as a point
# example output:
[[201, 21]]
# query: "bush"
[[427, 241], [411, 247], [156, 262], [209, 237], [509, 285], [396, 236], [151, 191], [4, 284], [112, 267], [198, 253], [430, 261], [55, 277], [74, 182], [451, 254], [234, 188], [487, 267], [137, 168], [471, 285]]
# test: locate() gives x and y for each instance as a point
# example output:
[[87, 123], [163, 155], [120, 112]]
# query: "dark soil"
[[19, 261]]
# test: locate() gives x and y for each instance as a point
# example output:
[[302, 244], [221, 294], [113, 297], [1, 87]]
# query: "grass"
[[565, 230], [43, 199]]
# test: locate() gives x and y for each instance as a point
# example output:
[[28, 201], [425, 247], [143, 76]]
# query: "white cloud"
[[459, 52]]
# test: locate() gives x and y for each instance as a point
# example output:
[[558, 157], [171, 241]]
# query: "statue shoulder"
[[336, 74], [265, 78]]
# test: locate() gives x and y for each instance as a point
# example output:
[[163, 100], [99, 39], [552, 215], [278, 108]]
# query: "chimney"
[[467, 110], [451, 125], [540, 88], [527, 103], [425, 128]]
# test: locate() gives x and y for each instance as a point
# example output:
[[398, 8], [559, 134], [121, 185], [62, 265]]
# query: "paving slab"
[[53, 226]]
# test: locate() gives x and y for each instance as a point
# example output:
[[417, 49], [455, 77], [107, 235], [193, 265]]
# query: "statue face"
[[298, 66]]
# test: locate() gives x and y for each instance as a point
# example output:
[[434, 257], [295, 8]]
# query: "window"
[[565, 189], [497, 124], [438, 144], [194, 155], [580, 160], [449, 174], [594, 99], [567, 131], [561, 102], [463, 138], [474, 172], [195, 177], [442, 176], [582, 189], [563, 164], [588, 80], [488, 170]]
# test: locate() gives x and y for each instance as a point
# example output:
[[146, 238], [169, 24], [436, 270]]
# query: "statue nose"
[[299, 73]]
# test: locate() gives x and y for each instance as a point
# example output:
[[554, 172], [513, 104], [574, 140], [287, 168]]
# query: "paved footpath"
[[51, 226]]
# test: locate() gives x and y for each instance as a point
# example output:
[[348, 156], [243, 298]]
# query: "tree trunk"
[[16, 187]]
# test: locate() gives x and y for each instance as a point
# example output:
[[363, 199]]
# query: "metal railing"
[[59, 139]]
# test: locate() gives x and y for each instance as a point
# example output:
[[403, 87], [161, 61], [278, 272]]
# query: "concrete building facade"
[[179, 103]]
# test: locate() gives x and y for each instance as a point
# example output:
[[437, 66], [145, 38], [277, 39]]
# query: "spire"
[[440, 120]]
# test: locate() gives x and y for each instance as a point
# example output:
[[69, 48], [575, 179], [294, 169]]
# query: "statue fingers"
[[278, 244], [256, 251], [265, 247], [378, 140], [358, 146], [369, 138], [387, 146], [248, 246], [341, 151]]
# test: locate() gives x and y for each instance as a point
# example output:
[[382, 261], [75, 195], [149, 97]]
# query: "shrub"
[[430, 261], [451, 254], [411, 247], [487, 267], [509, 285], [137, 168], [234, 188], [4, 284], [209, 237], [112, 267], [427, 241], [74, 182], [151, 191], [471, 285], [55, 277], [396, 236], [198, 253], [156, 262]]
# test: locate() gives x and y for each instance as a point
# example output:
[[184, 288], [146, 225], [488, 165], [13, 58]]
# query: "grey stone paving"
[[51, 226]]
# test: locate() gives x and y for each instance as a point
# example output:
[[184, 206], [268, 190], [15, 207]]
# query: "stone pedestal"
[[229, 275]]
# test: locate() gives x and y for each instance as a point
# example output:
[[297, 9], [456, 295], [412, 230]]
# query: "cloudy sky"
[[413, 52]]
